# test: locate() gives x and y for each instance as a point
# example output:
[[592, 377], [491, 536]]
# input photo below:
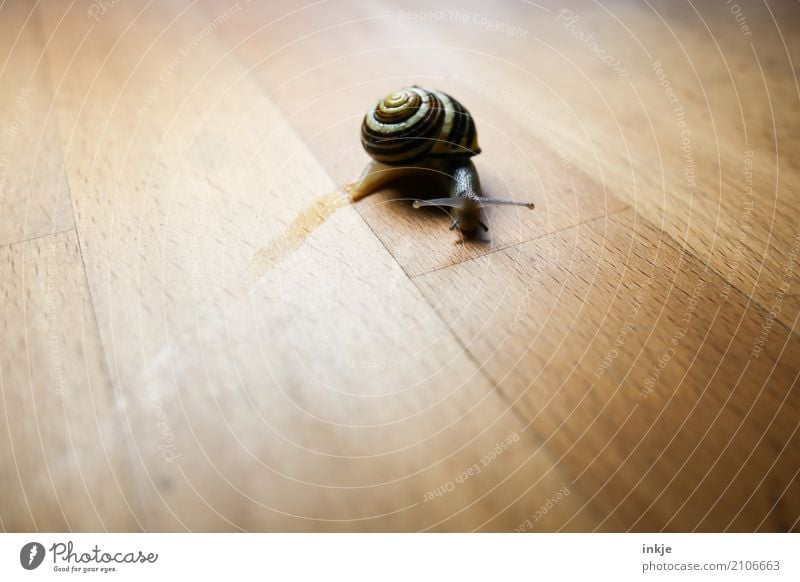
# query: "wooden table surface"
[[194, 340]]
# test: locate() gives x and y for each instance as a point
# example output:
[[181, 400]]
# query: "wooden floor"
[[195, 338]]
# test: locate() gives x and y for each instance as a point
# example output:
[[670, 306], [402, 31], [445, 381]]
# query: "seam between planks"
[[37, 237]]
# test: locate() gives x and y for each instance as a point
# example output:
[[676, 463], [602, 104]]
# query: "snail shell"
[[412, 124]]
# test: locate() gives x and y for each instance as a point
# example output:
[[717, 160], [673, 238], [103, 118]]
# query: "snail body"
[[414, 130]]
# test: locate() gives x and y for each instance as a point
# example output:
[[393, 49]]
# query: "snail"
[[414, 130]]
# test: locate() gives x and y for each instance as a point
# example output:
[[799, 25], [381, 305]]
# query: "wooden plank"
[[670, 399], [263, 390], [63, 459], [34, 199]]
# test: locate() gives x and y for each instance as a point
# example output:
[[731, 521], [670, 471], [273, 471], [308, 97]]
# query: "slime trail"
[[307, 221]]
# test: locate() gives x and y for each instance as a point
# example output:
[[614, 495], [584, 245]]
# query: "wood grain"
[[64, 463], [656, 404], [239, 349]]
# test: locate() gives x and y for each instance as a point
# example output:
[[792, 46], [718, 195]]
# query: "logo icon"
[[31, 555]]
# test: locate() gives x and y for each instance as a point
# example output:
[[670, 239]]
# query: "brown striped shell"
[[413, 123]]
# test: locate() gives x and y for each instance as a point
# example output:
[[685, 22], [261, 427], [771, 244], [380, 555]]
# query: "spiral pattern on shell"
[[415, 123]]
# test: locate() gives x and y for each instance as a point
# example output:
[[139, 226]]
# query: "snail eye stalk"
[[451, 202], [486, 202]]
